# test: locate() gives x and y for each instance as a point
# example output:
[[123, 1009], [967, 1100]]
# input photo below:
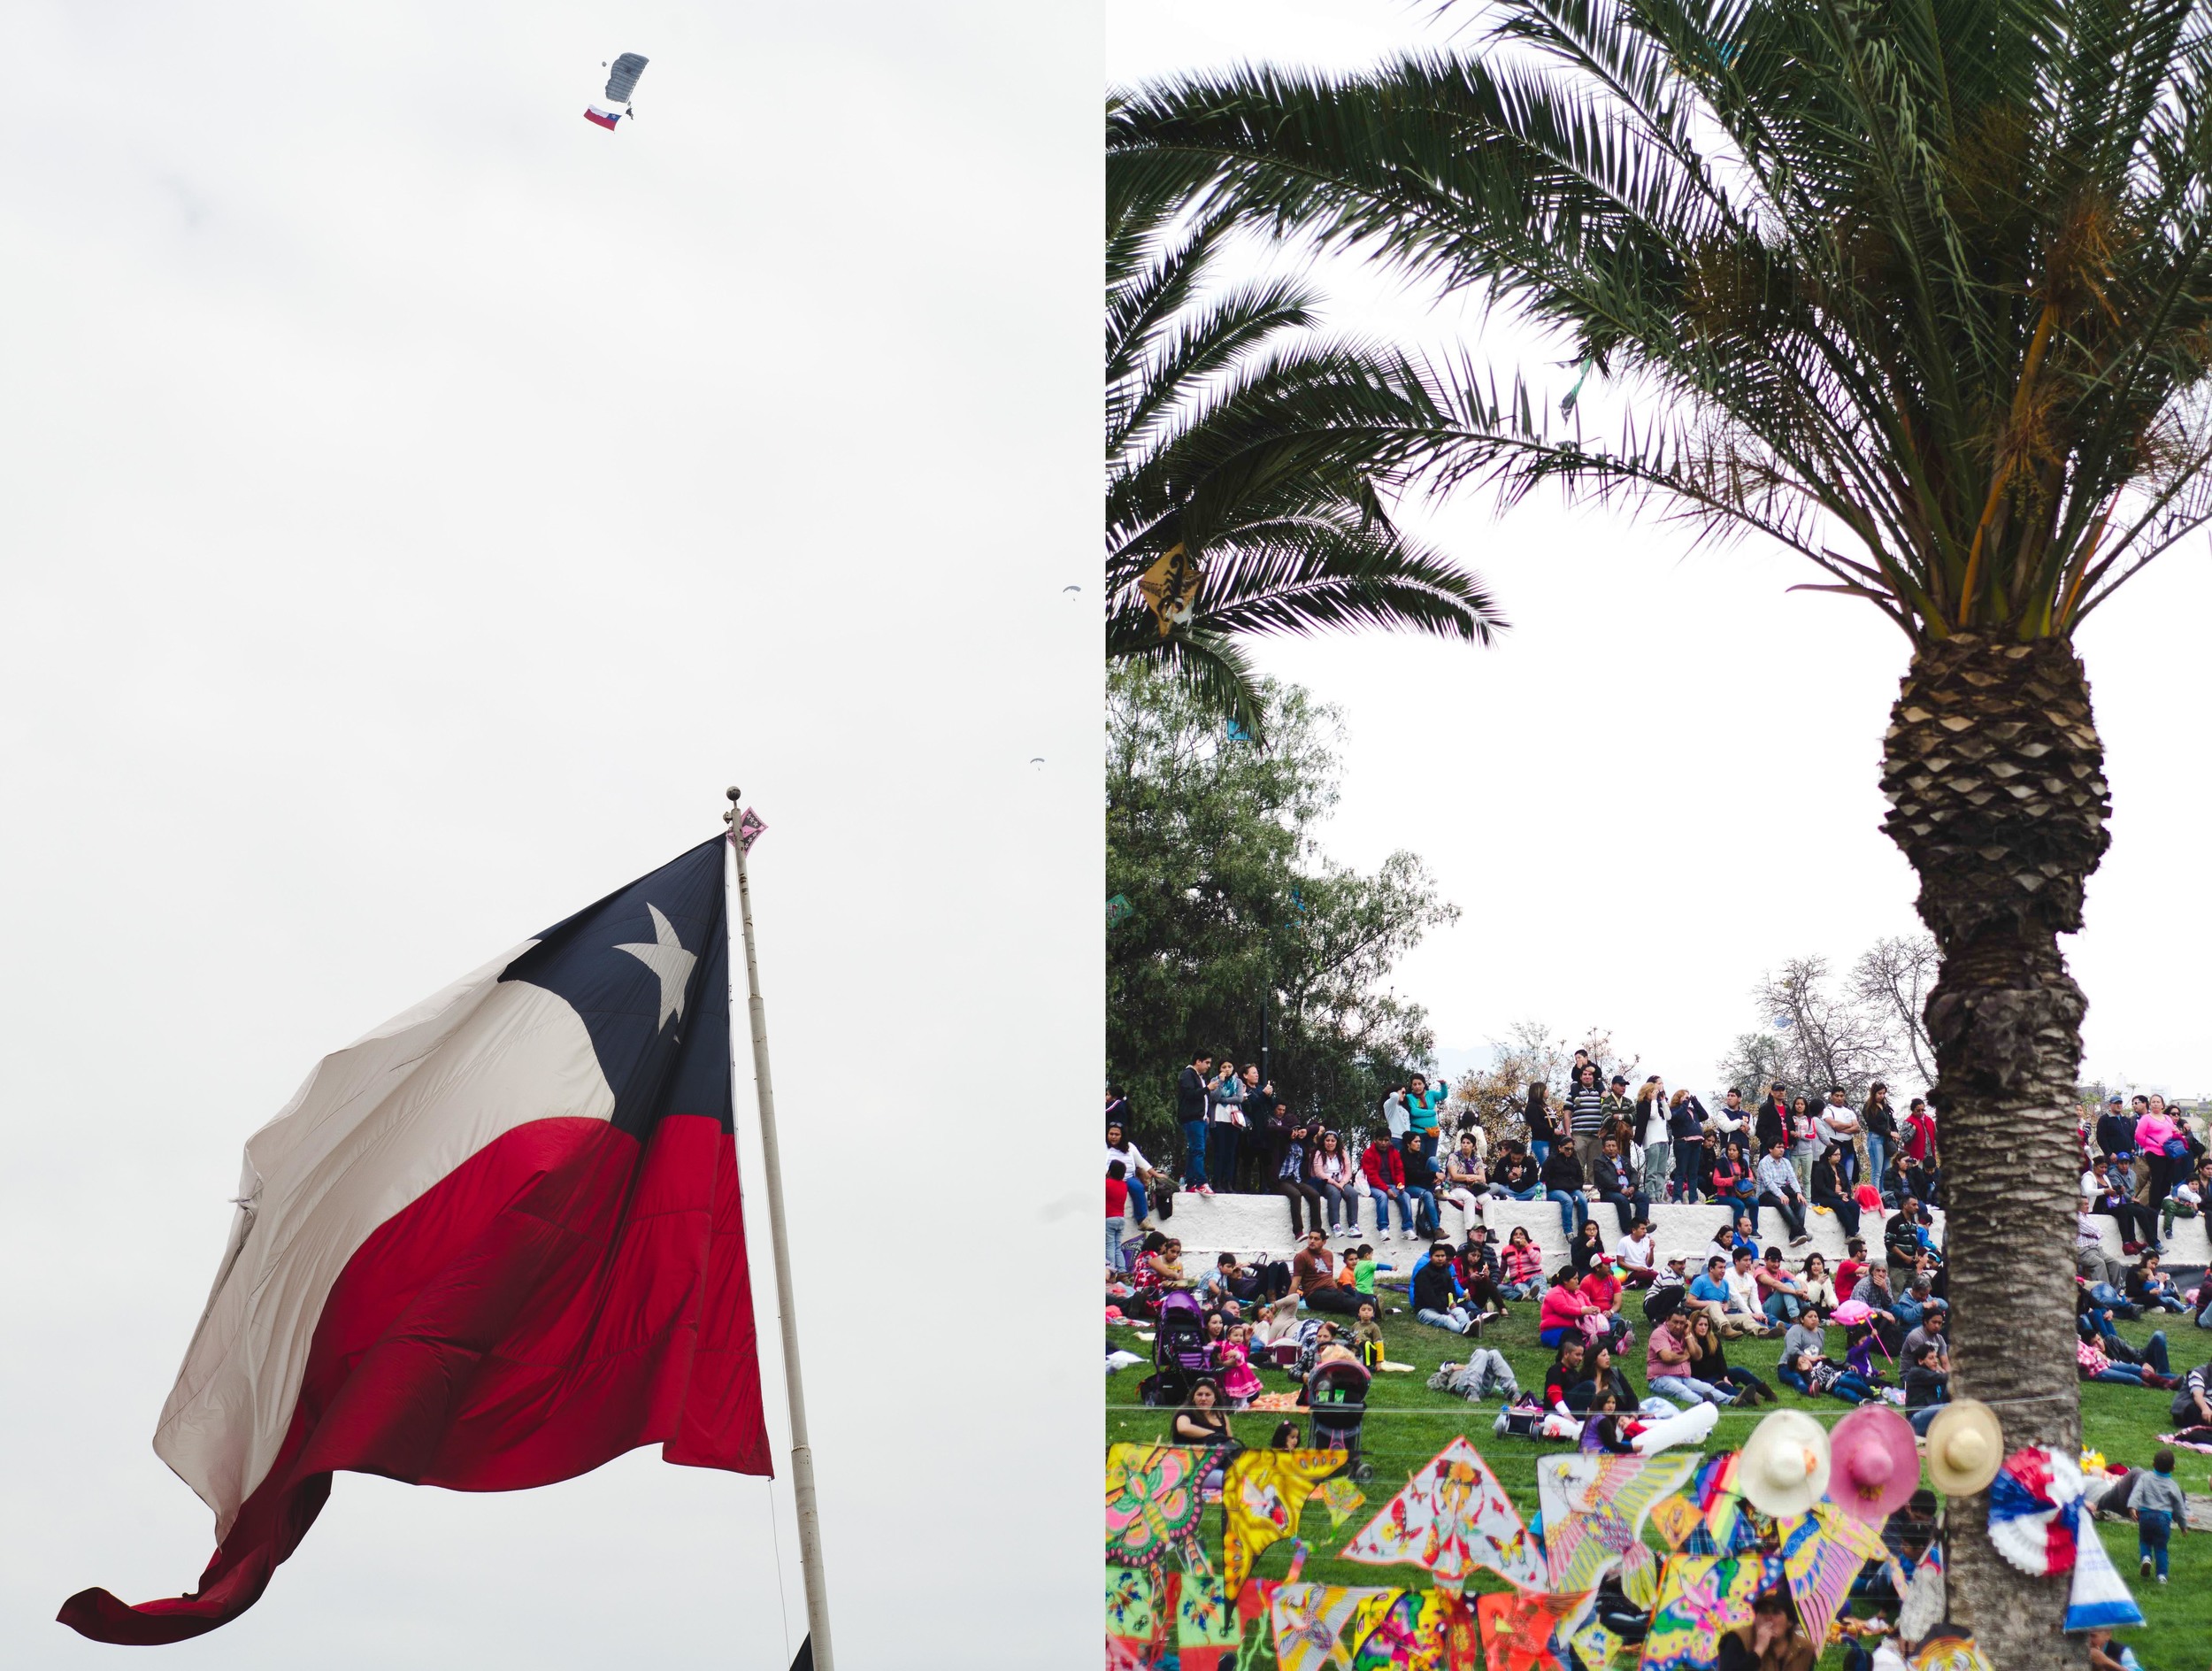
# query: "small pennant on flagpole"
[[748, 828]]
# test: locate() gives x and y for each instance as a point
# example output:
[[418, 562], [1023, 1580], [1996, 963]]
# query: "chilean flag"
[[494, 1243], [601, 119]]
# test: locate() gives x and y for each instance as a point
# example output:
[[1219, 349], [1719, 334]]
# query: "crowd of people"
[[1600, 1143], [1875, 1326]]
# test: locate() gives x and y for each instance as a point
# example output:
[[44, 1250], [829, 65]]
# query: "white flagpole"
[[802, 1453]]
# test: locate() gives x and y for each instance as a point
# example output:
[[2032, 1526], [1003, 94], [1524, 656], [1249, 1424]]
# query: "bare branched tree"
[[1833, 1036], [1894, 975]]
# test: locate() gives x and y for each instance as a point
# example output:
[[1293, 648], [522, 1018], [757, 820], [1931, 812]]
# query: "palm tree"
[[1262, 455], [1923, 290]]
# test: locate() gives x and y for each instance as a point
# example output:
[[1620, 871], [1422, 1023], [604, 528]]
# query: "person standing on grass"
[[1135, 1169], [1193, 1098], [2160, 1511], [1777, 1189], [1117, 1214]]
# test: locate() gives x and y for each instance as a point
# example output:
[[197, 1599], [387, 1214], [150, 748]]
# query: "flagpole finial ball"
[[731, 791]]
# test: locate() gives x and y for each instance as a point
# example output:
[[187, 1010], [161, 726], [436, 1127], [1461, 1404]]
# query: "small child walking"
[[2160, 1510]]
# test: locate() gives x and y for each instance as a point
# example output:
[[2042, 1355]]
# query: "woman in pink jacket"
[[1564, 1309]]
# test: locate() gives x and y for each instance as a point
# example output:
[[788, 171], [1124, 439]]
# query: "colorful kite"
[[1261, 1499], [1821, 1554], [1386, 1633], [1594, 1508], [1310, 1620], [1206, 1629], [1135, 1622], [1152, 1505], [1342, 1499], [1453, 1518], [1519, 1630], [1700, 1598], [1169, 587]]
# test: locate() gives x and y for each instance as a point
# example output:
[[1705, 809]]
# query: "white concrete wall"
[[1249, 1224]]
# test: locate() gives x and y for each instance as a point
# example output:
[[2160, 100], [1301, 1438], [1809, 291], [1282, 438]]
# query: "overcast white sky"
[[1664, 779], [421, 503]]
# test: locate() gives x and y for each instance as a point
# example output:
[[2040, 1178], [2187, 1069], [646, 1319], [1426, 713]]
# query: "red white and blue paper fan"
[[2031, 1510]]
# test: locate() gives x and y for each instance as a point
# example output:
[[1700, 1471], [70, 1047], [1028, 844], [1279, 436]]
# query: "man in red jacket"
[[1380, 1165]]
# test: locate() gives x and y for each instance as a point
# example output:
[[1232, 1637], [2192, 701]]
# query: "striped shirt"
[[1585, 1109]]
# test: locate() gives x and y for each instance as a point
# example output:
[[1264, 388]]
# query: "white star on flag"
[[666, 957]]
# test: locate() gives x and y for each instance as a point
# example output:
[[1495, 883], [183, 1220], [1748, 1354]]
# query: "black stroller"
[[1180, 1351], [1336, 1393]]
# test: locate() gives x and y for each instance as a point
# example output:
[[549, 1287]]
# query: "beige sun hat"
[[1966, 1446], [1784, 1469]]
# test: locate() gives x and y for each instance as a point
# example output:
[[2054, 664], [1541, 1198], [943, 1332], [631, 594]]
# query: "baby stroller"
[[1336, 1392], [1180, 1352]]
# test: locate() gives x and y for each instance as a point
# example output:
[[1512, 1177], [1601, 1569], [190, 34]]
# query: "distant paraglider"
[[621, 83]]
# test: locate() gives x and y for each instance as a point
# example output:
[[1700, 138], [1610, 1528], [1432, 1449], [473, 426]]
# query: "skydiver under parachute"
[[621, 82]]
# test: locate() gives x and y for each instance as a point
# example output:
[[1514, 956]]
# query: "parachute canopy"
[[622, 81]]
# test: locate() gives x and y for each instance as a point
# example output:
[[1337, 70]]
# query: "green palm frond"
[[1266, 452], [1921, 289]]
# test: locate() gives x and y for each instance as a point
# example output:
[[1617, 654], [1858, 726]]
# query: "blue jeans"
[[1194, 1152], [1383, 1199], [2151, 1528], [1343, 1201], [1688, 1157], [1877, 1159], [1574, 1209], [1535, 1192], [1113, 1245], [1221, 1154], [2155, 1352], [1687, 1390], [1140, 1202], [1424, 1204], [1538, 1150], [1783, 1308], [1921, 1418], [1453, 1321]]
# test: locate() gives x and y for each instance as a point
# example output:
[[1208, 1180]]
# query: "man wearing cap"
[[1613, 1105], [2115, 1131], [1772, 1640], [1770, 1121]]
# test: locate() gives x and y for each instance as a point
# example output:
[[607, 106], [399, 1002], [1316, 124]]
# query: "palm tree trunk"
[[1995, 776]]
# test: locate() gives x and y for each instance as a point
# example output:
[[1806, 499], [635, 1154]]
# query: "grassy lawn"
[[1407, 1424]]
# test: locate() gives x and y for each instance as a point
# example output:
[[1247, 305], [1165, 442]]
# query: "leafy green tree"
[[1210, 841], [1921, 289], [1263, 453]]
